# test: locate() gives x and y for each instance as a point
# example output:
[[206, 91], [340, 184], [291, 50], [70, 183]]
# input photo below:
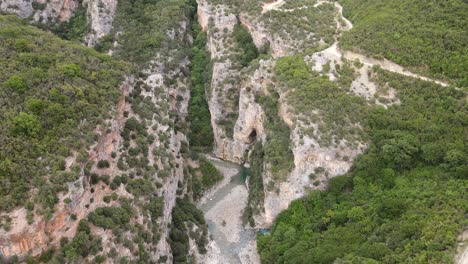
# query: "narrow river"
[[223, 208]]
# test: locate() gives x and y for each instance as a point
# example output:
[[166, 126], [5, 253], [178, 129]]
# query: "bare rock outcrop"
[[219, 24], [100, 17], [41, 10], [313, 166], [100, 13]]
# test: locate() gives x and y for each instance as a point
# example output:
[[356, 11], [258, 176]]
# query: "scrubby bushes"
[[143, 26], [316, 99], [82, 245], [429, 37], [201, 134], [52, 94], [102, 164], [140, 187], [412, 178], [277, 150], [184, 216], [249, 51], [204, 177], [306, 29], [114, 218]]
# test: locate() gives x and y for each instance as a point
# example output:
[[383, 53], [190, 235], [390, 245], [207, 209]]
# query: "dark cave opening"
[[253, 136]]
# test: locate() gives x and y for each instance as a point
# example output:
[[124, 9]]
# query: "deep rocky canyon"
[[273, 141]]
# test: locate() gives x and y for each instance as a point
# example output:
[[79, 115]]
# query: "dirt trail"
[[369, 61], [333, 52], [272, 6]]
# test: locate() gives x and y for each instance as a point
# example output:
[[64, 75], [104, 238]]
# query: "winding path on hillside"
[[272, 6], [334, 52]]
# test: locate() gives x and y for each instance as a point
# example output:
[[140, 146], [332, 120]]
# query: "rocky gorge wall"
[[100, 13], [308, 154], [323, 56], [164, 151], [219, 24]]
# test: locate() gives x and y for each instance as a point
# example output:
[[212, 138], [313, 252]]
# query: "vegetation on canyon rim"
[[412, 177], [429, 37], [67, 94], [52, 91], [404, 199]]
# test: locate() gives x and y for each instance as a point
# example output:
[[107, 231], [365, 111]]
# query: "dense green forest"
[[185, 216], [201, 134], [404, 200], [248, 50], [52, 95], [426, 36], [143, 27]]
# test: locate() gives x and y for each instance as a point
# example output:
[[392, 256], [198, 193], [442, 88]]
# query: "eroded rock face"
[[42, 234], [100, 17], [41, 10], [154, 80], [261, 36], [18, 7], [309, 156], [219, 23], [100, 13]]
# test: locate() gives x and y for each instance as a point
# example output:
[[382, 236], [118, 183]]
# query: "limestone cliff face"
[[100, 17], [100, 13], [309, 156], [261, 36], [219, 23], [41, 10], [156, 74]]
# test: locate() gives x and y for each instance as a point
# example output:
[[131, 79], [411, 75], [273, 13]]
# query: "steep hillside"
[[57, 100], [411, 179], [307, 108], [240, 131], [54, 94], [428, 37], [117, 155]]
